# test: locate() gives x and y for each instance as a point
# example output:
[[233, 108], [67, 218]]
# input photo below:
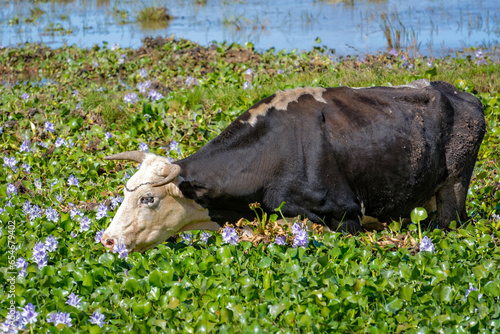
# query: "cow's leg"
[[450, 200]]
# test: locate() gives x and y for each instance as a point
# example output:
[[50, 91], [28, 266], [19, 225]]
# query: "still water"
[[433, 27]]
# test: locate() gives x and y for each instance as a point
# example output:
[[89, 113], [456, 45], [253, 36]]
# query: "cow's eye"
[[147, 200]]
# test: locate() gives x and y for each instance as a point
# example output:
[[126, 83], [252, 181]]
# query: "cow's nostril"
[[110, 242]]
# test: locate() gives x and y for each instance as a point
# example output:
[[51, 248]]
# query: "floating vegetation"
[[154, 17]]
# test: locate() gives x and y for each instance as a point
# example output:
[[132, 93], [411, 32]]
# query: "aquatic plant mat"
[[63, 110]]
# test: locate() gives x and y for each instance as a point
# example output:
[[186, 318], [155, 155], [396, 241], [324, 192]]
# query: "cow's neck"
[[225, 181]]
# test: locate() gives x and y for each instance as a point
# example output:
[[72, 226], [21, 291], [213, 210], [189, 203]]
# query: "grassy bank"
[[62, 110]]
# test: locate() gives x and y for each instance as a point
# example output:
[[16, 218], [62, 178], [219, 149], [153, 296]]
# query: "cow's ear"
[[193, 190]]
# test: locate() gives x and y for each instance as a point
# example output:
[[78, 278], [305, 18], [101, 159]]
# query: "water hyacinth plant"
[[229, 235], [57, 195]]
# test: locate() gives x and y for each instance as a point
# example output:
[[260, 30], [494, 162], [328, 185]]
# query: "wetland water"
[[434, 27]]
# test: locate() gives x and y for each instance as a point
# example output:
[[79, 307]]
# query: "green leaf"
[[264, 263], [429, 74], [132, 285], [141, 308], [492, 288], [418, 214], [406, 292], [480, 271], [443, 293], [155, 278], [276, 310]]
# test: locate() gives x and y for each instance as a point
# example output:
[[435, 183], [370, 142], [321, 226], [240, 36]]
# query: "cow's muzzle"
[[108, 242]]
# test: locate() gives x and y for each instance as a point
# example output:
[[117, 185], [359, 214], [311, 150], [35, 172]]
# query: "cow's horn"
[[129, 155], [170, 171]]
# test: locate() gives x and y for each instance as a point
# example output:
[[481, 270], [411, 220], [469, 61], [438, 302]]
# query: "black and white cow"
[[337, 156]]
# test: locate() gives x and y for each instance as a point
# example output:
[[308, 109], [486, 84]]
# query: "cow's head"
[[153, 208]]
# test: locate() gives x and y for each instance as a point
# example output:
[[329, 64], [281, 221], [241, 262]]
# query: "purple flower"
[[247, 85], [38, 184], [95, 64], [40, 255], [34, 211], [143, 73], [188, 238], [73, 300], [2, 210], [73, 181], [204, 237], [115, 46], [143, 147], [429, 63], [115, 201], [479, 58], [22, 264], [59, 142], [25, 96], [75, 93], [301, 239], [280, 240], [26, 168], [121, 60], [98, 236], [191, 81], [126, 176], [143, 86], [154, 95], [51, 244], [70, 143], [13, 323], [131, 98], [280, 71], [393, 52], [249, 72], [229, 235], [1, 130], [174, 146], [49, 127], [108, 135], [102, 211], [427, 245], [75, 212], [25, 146], [60, 318], [97, 319], [296, 228], [301, 236], [10, 162], [43, 144], [121, 250], [52, 215], [73, 234], [470, 289], [26, 208], [29, 314], [11, 190], [84, 224]]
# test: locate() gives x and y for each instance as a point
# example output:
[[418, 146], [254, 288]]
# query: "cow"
[[337, 156]]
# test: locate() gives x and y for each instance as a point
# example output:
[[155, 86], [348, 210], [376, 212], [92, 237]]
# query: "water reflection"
[[349, 26]]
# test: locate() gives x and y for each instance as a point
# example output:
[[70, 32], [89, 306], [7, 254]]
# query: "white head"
[[153, 208]]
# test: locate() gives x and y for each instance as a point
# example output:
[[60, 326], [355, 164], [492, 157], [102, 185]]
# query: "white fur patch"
[[282, 99]]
